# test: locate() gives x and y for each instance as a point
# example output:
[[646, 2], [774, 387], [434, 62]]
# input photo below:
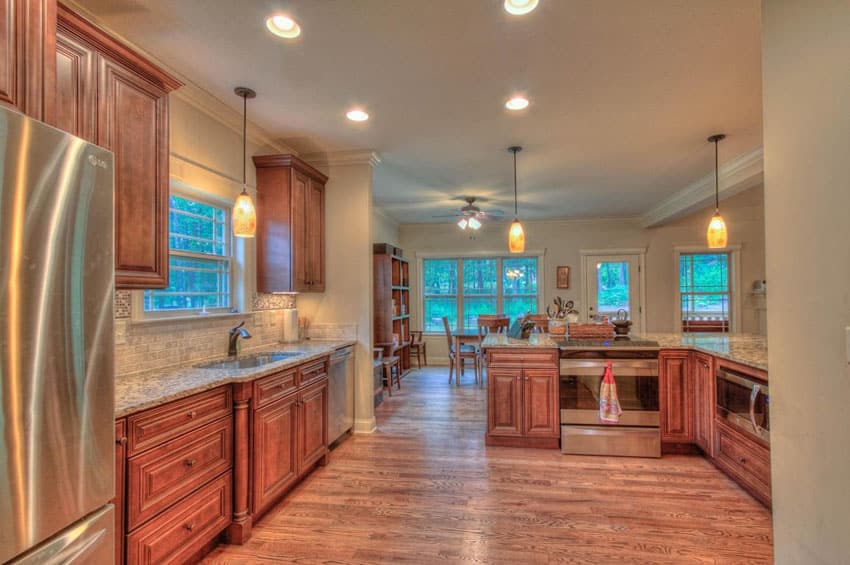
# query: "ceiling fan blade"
[[455, 215]]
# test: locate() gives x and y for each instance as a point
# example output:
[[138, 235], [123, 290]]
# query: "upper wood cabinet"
[[290, 225], [112, 96], [27, 59], [675, 389]]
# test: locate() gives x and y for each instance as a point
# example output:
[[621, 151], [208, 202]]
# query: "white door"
[[613, 284]]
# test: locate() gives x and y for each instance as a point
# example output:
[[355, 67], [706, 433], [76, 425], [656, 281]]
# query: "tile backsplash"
[[151, 345]]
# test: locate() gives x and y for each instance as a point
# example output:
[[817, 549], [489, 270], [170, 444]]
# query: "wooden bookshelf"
[[392, 302]]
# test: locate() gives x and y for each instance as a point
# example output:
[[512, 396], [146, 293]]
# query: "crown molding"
[[344, 158], [377, 210], [190, 92], [743, 172]]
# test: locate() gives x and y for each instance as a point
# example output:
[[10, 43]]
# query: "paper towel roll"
[[290, 325]]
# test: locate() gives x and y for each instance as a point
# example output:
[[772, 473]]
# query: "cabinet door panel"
[[300, 274], [676, 396], [703, 370], [76, 86], [27, 57], [540, 403], [316, 237], [118, 501], [133, 123], [314, 424], [504, 409], [275, 450]]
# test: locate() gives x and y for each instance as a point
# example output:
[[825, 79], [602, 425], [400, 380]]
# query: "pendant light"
[[244, 216], [716, 235], [516, 236]]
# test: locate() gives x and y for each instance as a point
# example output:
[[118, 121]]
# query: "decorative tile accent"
[[273, 301], [122, 303]]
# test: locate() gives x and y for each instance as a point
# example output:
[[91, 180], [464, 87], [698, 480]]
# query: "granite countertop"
[[140, 391], [747, 349]]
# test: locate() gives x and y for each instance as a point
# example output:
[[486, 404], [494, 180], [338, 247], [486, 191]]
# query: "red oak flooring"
[[425, 489]]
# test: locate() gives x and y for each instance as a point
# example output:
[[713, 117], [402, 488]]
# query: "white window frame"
[[498, 255], [138, 306], [588, 270], [734, 252]]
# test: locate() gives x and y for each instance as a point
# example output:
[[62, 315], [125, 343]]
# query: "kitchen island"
[[692, 409]]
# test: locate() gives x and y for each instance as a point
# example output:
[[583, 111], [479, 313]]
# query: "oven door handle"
[[753, 397]]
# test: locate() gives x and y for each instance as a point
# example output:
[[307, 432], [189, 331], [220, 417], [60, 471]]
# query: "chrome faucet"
[[235, 334]]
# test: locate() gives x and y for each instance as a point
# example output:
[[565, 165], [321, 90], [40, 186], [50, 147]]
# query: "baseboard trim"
[[365, 426]]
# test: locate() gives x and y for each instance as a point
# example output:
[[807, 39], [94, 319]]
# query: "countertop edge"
[[171, 377]]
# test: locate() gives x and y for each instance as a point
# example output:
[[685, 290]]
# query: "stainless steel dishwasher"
[[341, 393]]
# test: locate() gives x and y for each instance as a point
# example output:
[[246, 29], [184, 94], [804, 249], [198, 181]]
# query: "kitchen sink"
[[250, 361]]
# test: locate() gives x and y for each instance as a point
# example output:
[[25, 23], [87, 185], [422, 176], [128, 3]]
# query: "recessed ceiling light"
[[357, 115], [519, 7], [283, 26], [517, 103]]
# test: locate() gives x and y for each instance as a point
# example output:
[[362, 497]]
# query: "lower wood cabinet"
[[676, 396], [522, 407], [703, 382], [120, 474], [744, 459]]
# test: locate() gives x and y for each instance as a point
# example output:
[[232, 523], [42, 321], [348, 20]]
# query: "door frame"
[[639, 253]]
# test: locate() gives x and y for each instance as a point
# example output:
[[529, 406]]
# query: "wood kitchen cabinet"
[[112, 96], [120, 475], [522, 406], [676, 394], [290, 225], [275, 451], [28, 59], [703, 382]]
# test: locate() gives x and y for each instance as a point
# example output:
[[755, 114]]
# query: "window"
[[705, 289], [464, 288], [199, 259]]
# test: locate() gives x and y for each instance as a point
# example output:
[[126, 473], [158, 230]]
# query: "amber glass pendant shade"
[[244, 216], [716, 235], [516, 237]]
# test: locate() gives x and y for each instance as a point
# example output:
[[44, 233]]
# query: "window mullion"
[[459, 325]]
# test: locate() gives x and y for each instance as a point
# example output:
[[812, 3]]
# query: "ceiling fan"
[[471, 215]]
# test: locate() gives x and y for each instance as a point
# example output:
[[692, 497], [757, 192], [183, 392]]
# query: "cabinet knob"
[[189, 526], [190, 462], [742, 459], [121, 440], [191, 414]]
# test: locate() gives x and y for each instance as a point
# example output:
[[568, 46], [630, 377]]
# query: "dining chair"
[[541, 322], [466, 353], [391, 367], [417, 347], [489, 324]]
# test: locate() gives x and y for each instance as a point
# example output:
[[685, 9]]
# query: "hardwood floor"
[[425, 489]]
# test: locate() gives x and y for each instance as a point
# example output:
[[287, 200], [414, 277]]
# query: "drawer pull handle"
[[281, 385], [742, 459], [190, 462], [191, 414], [121, 440], [189, 527]]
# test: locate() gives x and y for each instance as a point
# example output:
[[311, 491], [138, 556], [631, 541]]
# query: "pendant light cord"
[[516, 211], [716, 179], [244, 139]]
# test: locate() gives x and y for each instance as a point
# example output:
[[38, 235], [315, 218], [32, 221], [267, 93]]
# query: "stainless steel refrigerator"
[[56, 346]]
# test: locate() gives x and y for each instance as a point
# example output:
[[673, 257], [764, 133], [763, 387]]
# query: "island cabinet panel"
[[744, 459], [290, 225], [522, 400], [27, 57], [703, 370], [110, 95], [275, 449], [676, 395], [540, 388], [504, 403], [120, 474]]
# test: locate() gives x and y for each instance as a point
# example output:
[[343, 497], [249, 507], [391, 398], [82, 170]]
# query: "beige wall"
[[384, 228], [348, 274], [563, 241], [807, 167]]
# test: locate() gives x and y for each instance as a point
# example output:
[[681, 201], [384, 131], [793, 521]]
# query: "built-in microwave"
[[744, 402]]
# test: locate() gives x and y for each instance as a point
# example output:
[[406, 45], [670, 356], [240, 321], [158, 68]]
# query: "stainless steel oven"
[[637, 433], [744, 402]]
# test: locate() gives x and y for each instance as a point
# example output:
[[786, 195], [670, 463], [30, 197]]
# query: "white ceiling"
[[623, 92]]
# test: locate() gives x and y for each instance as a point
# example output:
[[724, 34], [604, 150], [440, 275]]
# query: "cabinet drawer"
[[313, 371], [269, 389], [522, 358], [163, 475], [178, 533], [744, 459], [157, 425]]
